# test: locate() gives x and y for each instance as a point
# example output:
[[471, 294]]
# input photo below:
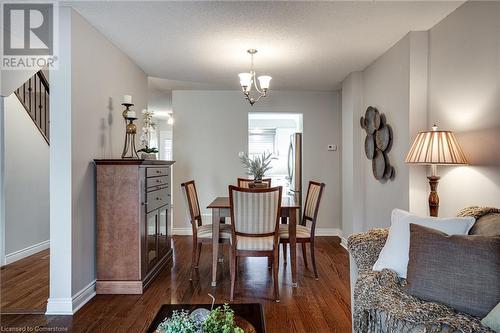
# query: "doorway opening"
[[276, 133]]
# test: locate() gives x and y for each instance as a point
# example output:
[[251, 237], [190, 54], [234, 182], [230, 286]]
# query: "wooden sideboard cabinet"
[[133, 223]]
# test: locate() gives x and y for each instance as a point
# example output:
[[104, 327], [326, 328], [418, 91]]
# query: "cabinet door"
[[163, 239], [151, 239]]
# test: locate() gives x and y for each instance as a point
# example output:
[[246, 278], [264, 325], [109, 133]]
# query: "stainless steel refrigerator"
[[295, 166]]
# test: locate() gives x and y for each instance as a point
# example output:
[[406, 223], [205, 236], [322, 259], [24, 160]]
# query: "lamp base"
[[433, 196]]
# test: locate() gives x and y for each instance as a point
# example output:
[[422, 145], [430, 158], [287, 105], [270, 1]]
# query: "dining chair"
[[245, 182], [202, 233], [255, 231], [305, 234]]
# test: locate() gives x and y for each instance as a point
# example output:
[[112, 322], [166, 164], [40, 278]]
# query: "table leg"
[[293, 245], [215, 243]]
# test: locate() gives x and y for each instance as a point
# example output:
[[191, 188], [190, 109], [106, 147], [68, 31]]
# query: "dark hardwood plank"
[[316, 306], [25, 284]]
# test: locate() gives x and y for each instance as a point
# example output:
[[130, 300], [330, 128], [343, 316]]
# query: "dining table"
[[221, 208]]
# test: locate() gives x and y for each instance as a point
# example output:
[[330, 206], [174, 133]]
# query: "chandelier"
[[247, 79]]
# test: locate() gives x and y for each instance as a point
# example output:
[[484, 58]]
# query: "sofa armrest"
[[365, 247]]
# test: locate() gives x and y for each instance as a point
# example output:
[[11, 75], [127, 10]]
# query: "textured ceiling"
[[302, 45]]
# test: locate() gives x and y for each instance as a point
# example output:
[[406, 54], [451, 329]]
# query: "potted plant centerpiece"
[[257, 167], [147, 153]]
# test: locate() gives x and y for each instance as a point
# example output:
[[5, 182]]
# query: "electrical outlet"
[[332, 147]]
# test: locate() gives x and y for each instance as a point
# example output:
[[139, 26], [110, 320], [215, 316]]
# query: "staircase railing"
[[34, 96]]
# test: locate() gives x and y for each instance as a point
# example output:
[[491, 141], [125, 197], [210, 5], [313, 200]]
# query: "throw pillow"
[[492, 320], [394, 254], [460, 271], [487, 225]]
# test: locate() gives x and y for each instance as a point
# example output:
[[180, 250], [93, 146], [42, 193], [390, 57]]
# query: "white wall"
[[464, 86], [10, 80], [211, 127], [26, 183], [101, 75]]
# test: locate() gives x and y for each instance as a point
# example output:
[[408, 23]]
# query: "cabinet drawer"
[[156, 199], [157, 181], [156, 172]]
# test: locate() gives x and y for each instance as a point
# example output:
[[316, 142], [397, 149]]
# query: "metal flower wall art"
[[378, 144]]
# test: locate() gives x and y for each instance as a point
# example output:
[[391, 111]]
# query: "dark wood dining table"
[[221, 208]]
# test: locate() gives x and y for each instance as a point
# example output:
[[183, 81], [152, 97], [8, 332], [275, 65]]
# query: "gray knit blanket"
[[382, 306]]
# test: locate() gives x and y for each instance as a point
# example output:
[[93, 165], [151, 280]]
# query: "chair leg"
[[233, 275], [284, 252], [313, 258], [230, 261], [275, 277], [193, 258], [304, 253], [198, 255]]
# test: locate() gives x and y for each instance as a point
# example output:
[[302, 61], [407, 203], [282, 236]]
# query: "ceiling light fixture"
[[247, 79]]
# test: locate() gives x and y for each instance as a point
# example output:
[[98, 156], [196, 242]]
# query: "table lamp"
[[435, 148]]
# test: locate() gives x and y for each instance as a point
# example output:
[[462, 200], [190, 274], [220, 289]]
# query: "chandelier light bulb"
[[264, 81], [245, 80]]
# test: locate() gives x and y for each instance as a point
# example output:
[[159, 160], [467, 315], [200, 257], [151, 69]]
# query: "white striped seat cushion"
[[302, 232], [255, 243], [205, 231]]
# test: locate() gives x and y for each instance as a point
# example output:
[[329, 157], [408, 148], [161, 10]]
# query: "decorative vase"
[[148, 156], [257, 184]]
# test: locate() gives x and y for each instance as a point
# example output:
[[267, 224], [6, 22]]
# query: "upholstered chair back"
[[192, 204], [311, 207], [255, 217], [245, 183]]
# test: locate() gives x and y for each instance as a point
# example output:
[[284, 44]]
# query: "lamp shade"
[[436, 147]]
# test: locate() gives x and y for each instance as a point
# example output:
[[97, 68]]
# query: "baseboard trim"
[[319, 232], [343, 242], [328, 232], [69, 306], [182, 231], [59, 307], [26, 252], [83, 296]]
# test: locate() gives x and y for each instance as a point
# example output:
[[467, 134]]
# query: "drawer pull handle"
[[158, 198], [158, 171], [158, 181], [145, 203]]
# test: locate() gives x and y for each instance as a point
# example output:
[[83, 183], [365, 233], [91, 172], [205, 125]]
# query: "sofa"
[[379, 301]]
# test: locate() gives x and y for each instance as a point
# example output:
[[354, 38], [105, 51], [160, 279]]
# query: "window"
[[260, 141], [166, 145]]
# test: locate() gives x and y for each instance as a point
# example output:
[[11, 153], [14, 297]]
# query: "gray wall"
[[101, 75], [353, 173], [26, 181], [450, 76], [464, 96], [211, 127], [396, 84], [386, 87]]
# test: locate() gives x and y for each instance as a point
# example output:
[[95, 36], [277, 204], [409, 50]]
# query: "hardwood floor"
[[25, 284], [316, 306]]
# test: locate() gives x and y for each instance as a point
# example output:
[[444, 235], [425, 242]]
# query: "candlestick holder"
[[129, 150]]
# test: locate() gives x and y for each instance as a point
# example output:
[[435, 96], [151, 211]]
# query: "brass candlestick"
[[129, 150]]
